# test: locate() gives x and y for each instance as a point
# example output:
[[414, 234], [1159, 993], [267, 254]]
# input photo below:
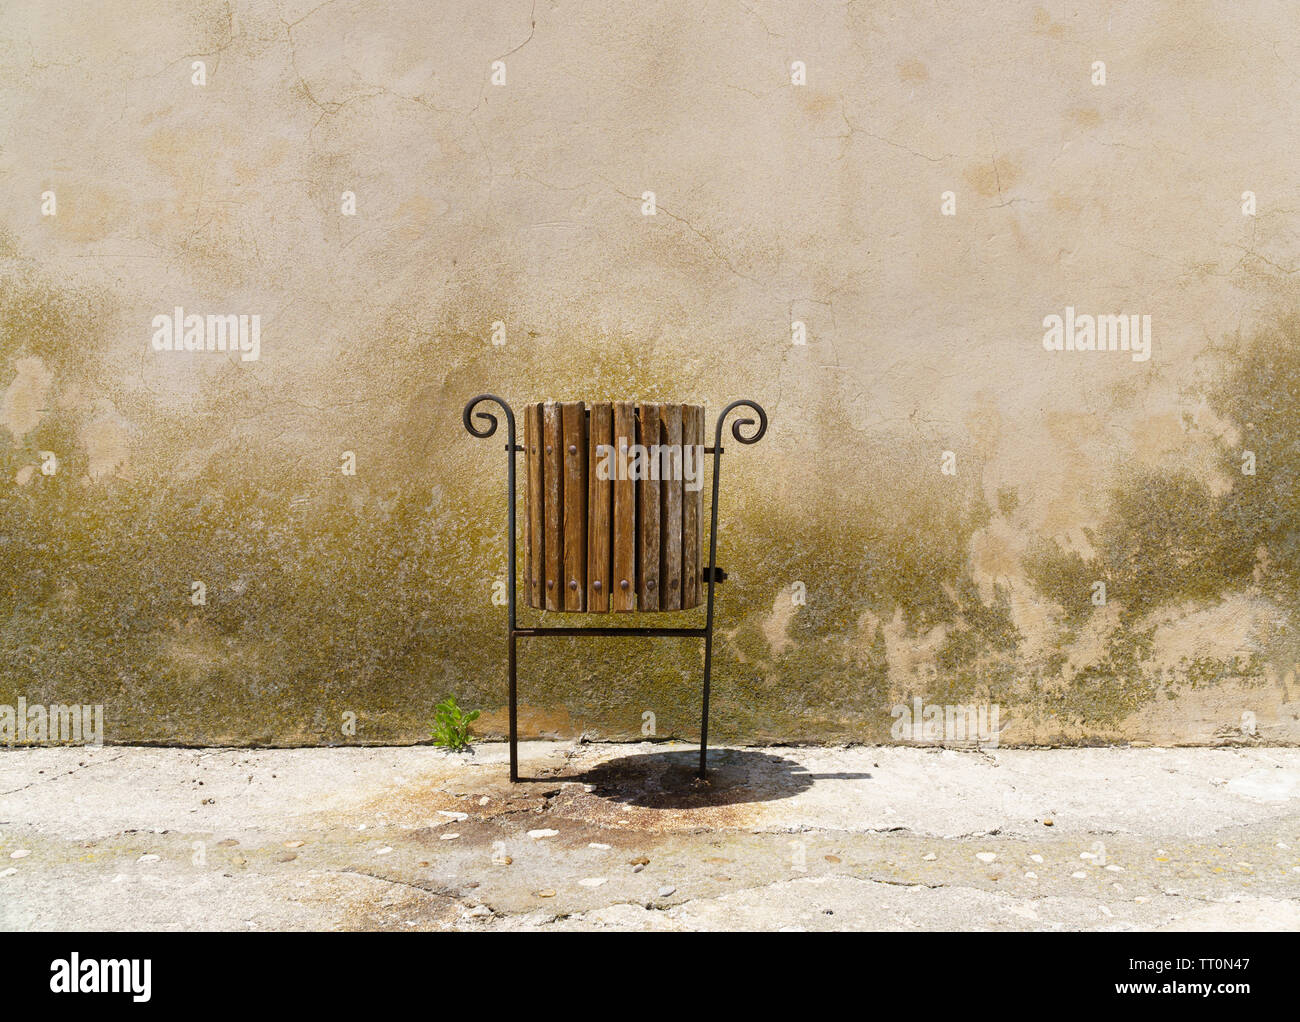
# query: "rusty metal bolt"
[[573, 448], [624, 584], [550, 583], [596, 585], [573, 583]]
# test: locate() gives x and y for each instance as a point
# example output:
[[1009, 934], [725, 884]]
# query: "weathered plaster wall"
[[371, 594]]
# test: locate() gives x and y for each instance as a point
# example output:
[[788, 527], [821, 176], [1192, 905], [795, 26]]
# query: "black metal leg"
[[704, 712], [512, 448], [514, 712], [739, 435]]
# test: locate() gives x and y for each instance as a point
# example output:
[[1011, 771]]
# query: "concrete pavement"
[[622, 837]]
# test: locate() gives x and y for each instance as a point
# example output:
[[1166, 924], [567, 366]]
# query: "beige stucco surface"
[[127, 474]]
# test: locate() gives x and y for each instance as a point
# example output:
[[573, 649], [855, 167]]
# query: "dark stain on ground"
[[667, 780]]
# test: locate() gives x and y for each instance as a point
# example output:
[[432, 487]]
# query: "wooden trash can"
[[614, 498], [613, 520]]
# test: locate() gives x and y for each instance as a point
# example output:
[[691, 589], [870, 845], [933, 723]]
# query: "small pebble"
[[21, 853], [986, 856], [640, 860], [597, 844], [638, 867], [929, 857], [1031, 876], [294, 844], [546, 894], [7, 872], [591, 881], [667, 892], [148, 858], [1081, 875], [484, 800], [458, 817], [286, 857], [1036, 858], [448, 837], [535, 834], [383, 851]]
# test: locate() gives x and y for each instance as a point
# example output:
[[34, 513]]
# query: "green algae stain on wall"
[[1171, 539], [328, 596]]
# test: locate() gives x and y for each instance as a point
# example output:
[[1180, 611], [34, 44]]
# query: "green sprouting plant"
[[451, 726]]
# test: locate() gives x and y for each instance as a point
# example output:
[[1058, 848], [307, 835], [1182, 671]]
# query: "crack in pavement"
[[67, 773], [435, 890]]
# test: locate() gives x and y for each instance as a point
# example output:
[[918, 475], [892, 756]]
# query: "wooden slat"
[[534, 518], [530, 504], [670, 490], [692, 504], [648, 513], [553, 488], [600, 495], [574, 420], [625, 575]]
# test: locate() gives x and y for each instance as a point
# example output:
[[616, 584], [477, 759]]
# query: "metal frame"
[[710, 573]]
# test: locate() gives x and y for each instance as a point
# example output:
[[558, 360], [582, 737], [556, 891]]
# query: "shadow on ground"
[[667, 780]]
